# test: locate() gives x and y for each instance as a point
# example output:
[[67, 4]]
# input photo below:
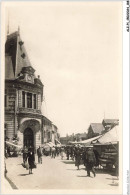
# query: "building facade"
[[94, 130], [109, 124], [23, 97]]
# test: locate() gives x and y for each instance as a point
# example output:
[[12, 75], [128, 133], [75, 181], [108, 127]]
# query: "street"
[[57, 174]]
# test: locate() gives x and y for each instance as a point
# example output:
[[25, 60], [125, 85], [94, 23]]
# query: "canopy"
[[50, 144], [87, 141], [9, 143], [111, 136], [57, 142]]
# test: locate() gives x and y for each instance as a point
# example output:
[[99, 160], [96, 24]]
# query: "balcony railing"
[[29, 110]]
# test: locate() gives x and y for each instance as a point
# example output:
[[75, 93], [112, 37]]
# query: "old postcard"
[[61, 100]]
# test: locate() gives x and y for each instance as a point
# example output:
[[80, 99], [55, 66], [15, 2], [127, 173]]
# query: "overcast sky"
[[75, 47]]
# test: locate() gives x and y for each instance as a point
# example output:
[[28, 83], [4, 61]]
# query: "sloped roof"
[[97, 127], [110, 121], [15, 56], [9, 72]]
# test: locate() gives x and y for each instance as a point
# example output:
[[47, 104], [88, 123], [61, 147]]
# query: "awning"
[[9, 143], [112, 136], [57, 141], [88, 141]]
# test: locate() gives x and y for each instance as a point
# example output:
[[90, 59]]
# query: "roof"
[[111, 136], [97, 127], [110, 121], [46, 119], [15, 56], [9, 73]]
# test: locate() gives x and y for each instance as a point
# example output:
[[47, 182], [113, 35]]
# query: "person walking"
[[90, 161], [31, 161], [25, 154], [77, 157], [39, 154], [62, 153], [53, 152]]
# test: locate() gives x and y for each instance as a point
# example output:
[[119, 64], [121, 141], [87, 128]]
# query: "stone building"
[[50, 131], [55, 135], [23, 96], [47, 130]]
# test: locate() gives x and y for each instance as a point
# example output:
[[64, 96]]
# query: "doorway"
[[28, 138]]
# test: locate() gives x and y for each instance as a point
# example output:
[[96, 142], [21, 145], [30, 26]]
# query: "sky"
[[76, 48]]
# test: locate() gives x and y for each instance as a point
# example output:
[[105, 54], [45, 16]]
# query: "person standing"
[[90, 161], [68, 152], [6, 154], [31, 161], [39, 154], [77, 157], [8, 151]]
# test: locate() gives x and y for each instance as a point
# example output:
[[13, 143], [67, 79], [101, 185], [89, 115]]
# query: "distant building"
[[50, 131], [73, 137], [95, 129], [80, 136], [109, 123], [55, 134], [46, 130], [64, 140]]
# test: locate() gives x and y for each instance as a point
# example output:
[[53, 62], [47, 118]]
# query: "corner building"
[[23, 95]]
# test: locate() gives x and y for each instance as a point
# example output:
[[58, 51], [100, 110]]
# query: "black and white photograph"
[[62, 97]]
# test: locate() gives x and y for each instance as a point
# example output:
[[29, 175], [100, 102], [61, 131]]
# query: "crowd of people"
[[86, 156], [83, 155], [80, 155]]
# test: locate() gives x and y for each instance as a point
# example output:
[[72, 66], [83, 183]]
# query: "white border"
[[125, 101]]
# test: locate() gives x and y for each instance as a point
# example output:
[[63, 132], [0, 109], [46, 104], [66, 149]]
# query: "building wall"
[[9, 120], [39, 101], [20, 98]]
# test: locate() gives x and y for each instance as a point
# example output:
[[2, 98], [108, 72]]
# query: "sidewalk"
[[6, 184], [58, 174]]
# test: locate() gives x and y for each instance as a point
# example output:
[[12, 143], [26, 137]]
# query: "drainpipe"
[[15, 113]]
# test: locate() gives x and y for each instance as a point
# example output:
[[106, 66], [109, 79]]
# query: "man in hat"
[[90, 161], [39, 154]]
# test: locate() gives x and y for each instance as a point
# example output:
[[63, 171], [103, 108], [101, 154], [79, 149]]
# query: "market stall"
[[109, 149], [13, 150]]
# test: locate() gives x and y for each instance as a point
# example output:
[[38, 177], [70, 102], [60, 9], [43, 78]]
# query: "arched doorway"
[[28, 138]]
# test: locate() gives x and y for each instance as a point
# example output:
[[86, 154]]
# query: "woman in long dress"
[[31, 161]]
